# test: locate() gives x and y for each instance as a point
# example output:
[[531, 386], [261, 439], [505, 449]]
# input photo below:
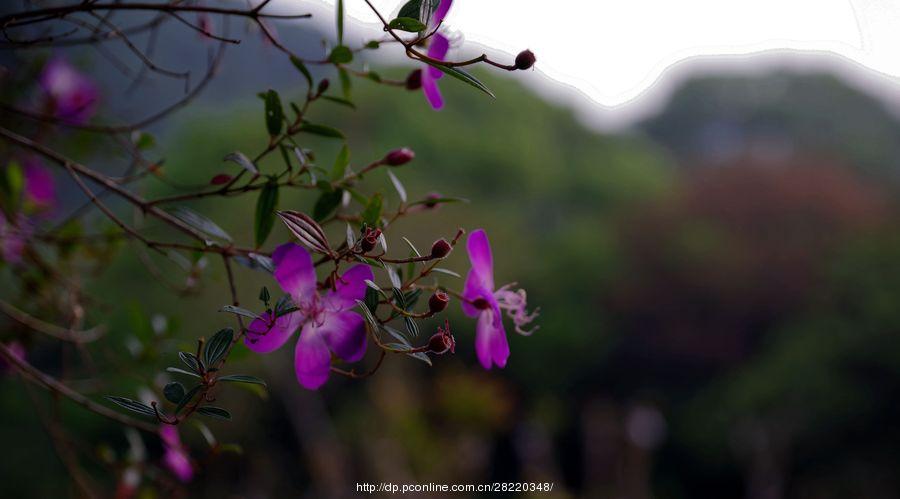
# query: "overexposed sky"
[[614, 51]]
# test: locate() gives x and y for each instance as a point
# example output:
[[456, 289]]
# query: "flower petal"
[[351, 286], [479, 249], [345, 335], [441, 11], [491, 346], [294, 271], [474, 289], [440, 44], [179, 464], [263, 336], [39, 185], [312, 360], [432, 93]]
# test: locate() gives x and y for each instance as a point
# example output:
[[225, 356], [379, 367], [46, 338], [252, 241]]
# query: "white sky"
[[613, 51]]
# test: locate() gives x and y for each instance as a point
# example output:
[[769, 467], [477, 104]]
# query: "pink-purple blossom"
[[72, 95], [176, 457], [437, 50], [40, 189], [327, 321], [481, 300]]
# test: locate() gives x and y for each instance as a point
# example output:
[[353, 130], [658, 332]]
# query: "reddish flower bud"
[[369, 239], [222, 178], [525, 59], [442, 341], [399, 157], [323, 86], [414, 80], [431, 199], [440, 248], [438, 302]]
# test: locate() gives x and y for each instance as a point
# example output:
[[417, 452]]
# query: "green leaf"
[[191, 361], [144, 140], [327, 203], [445, 271], [266, 205], [321, 130], [407, 24], [420, 356], [215, 412], [371, 215], [463, 76], [340, 163], [370, 318], [239, 311], [12, 181], [397, 185], [274, 113], [302, 68], [181, 371], [346, 84], [186, 399], [340, 55], [242, 160], [340, 21], [264, 295], [339, 100], [242, 378], [399, 336], [372, 299], [442, 200], [133, 405], [372, 44], [217, 346], [199, 222], [174, 392]]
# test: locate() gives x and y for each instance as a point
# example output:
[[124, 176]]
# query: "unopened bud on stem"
[[525, 59], [438, 302], [414, 80], [440, 248], [399, 157]]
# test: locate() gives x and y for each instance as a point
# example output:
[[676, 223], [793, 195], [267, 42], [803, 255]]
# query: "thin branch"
[[40, 378], [61, 333]]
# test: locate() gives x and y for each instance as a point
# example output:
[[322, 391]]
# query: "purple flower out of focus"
[[73, 96], [438, 48], [176, 458], [329, 324], [483, 301], [39, 186]]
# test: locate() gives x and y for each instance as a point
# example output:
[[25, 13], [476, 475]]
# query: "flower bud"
[[414, 80], [399, 157], [440, 248], [431, 199], [525, 59], [323, 85], [442, 341], [222, 178], [438, 302], [369, 239]]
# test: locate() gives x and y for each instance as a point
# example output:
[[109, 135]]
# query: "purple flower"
[[40, 188], [328, 323], [437, 50], [73, 96], [176, 457], [482, 301]]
